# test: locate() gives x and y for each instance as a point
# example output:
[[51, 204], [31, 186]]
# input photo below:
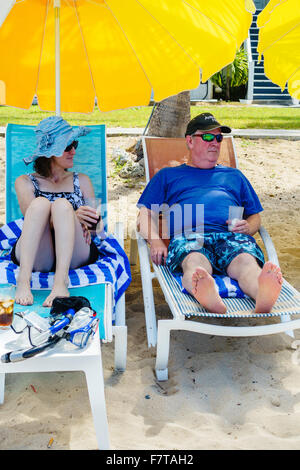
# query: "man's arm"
[[249, 226], [148, 226]]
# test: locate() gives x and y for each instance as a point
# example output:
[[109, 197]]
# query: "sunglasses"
[[209, 137], [73, 144]]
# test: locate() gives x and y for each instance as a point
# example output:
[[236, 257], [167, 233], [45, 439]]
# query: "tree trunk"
[[170, 116], [169, 119]]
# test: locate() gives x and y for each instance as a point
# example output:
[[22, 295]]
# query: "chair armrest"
[[141, 241], [270, 248]]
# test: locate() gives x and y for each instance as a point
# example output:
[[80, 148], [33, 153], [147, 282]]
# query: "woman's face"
[[66, 160]]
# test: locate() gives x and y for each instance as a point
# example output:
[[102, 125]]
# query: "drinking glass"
[[95, 203], [235, 214], [7, 300]]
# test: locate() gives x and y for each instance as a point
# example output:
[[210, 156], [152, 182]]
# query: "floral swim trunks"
[[219, 247]]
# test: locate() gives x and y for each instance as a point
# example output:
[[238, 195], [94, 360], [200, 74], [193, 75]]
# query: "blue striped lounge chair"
[[103, 283], [187, 313]]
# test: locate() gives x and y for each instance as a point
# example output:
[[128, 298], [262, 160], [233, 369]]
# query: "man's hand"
[[248, 226], [242, 226], [158, 251]]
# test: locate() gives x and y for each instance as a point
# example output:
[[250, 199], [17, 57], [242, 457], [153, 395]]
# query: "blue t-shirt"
[[195, 199]]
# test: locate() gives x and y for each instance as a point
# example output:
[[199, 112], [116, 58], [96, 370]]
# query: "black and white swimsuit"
[[75, 198]]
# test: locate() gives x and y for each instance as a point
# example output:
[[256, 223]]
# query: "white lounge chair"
[[158, 153]]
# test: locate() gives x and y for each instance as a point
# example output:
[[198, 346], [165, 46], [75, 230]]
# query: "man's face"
[[203, 154]]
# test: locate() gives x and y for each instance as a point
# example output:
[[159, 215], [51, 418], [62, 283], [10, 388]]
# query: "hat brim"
[[58, 147], [224, 129]]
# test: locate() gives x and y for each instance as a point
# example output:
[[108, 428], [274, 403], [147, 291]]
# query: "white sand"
[[222, 393]]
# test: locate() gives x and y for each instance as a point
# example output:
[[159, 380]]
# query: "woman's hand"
[[86, 234], [87, 215]]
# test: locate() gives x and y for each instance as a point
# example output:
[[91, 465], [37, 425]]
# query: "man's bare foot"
[[23, 295], [204, 290], [59, 290], [269, 287]]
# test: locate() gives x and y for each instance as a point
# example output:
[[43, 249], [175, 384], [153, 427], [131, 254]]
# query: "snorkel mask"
[[35, 333]]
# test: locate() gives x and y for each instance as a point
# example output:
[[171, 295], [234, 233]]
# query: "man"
[[178, 191]]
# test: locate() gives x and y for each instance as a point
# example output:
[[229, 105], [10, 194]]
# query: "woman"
[[55, 235]]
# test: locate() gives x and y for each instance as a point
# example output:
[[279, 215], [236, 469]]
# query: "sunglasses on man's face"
[[73, 144], [209, 137]]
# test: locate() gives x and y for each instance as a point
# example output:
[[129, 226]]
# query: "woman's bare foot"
[[58, 290], [23, 295], [269, 287], [204, 290]]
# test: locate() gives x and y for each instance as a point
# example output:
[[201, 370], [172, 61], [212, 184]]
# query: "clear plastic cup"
[[7, 300], [234, 216], [95, 203]]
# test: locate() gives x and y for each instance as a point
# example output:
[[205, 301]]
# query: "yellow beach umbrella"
[[116, 50], [279, 43]]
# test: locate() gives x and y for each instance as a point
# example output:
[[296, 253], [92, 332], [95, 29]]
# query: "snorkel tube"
[[21, 354]]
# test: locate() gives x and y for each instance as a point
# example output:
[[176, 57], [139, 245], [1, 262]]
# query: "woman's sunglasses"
[[73, 144], [209, 137]]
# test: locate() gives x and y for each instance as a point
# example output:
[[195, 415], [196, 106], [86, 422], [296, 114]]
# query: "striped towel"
[[226, 286], [112, 267]]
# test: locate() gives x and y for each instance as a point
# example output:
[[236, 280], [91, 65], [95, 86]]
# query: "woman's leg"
[[34, 249], [197, 279], [71, 249]]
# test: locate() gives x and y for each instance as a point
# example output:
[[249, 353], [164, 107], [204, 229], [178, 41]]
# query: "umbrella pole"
[[57, 57]]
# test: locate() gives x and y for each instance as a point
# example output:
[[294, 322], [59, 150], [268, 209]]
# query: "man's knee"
[[196, 259], [241, 264]]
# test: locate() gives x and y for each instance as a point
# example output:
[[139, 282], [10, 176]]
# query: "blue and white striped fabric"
[[112, 267], [227, 287]]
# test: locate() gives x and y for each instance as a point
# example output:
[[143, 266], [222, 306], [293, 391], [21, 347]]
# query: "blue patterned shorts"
[[219, 247]]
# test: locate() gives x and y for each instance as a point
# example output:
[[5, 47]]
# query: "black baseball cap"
[[205, 122]]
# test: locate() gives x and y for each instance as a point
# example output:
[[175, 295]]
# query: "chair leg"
[[149, 305], [95, 383], [133, 250], [163, 347], [287, 318], [120, 334], [2, 385]]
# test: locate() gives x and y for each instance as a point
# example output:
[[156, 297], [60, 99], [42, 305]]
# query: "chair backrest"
[[90, 159], [160, 152]]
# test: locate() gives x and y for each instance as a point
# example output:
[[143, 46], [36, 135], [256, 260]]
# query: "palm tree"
[[234, 75], [170, 116]]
